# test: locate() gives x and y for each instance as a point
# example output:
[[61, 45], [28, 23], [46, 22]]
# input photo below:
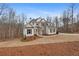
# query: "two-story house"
[[39, 26]]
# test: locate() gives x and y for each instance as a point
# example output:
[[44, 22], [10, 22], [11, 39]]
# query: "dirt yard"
[[52, 49], [62, 44], [44, 40]]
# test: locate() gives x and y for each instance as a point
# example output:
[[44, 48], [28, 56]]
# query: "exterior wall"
[[48, 30], [25, 32]]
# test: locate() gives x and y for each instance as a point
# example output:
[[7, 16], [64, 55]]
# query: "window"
[[50, 30], [29, 31], [53, 30]]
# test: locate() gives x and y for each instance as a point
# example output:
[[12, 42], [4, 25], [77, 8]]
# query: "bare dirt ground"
[[52, 49], [44, 40], [62, 44]]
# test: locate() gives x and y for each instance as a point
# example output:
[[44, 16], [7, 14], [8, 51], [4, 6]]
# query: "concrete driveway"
[[60, 38]]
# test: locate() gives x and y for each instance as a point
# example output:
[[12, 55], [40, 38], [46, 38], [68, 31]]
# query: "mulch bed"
[[30, 38]]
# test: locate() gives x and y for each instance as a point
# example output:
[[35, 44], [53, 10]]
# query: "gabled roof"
[[33, 20], [38, 20], [28, 25]]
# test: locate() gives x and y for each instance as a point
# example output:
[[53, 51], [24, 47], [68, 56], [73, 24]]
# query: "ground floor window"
[[29, 31], [50, 30], [53, 30]]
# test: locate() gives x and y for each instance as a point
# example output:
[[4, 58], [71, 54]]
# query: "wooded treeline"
[[68, 21], [11, 25]]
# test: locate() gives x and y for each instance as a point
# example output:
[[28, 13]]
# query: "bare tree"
[[65, 21], [56, 23], [77, 23], [23, 20], [3, 18], [77, 17], [2, 8], [11, 18], [49, 19], [72, 9]]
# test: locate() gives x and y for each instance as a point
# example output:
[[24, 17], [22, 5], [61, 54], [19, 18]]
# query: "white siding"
[[48, 31]]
